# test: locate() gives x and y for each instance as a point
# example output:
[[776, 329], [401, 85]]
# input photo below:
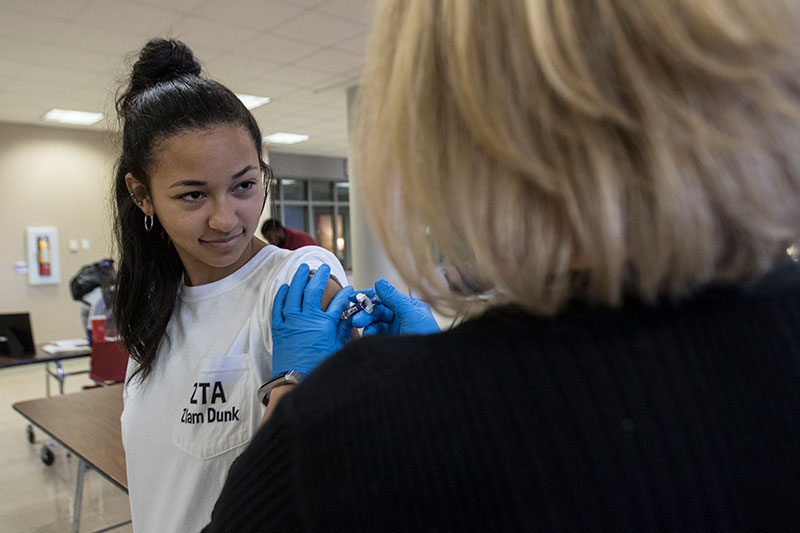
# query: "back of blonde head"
[[654, 144]]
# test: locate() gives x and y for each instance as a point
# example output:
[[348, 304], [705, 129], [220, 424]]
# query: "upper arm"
[[331, 289], [281, 271]]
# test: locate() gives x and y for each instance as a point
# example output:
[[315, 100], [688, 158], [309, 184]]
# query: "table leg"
[[60, 370], [47, 378], [76, 520]]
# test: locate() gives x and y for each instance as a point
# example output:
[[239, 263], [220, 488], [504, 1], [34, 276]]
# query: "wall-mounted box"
[[44, 267]]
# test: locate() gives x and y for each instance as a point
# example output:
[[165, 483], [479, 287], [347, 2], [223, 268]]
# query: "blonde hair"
[[654, 142]]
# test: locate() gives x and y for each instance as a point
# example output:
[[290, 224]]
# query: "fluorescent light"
[[251, 102], [286, 138], [69, 116]]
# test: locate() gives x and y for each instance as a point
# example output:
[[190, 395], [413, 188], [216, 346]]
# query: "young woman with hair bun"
[[195, 286]]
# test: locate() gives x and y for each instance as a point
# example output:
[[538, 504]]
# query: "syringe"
[[363, 302]]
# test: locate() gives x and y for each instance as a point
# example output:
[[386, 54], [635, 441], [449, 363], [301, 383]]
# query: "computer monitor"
[[16, 336]]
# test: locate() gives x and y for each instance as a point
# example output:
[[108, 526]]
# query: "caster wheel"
[[47, 456], [31, 436]]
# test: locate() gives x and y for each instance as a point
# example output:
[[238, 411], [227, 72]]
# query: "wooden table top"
[[87, 423]]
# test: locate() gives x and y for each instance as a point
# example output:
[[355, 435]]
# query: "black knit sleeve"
[[258, 494], [267, 486]]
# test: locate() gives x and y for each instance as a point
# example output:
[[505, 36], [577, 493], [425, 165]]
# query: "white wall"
[[52, 177]]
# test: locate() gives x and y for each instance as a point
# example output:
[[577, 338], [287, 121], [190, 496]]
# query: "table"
[[57, 373], [87, 424], [42, 357], [39, 357]]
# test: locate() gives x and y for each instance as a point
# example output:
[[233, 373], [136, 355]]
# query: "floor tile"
[[39, 498]]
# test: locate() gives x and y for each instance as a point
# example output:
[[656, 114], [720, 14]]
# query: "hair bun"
[[160, 60]]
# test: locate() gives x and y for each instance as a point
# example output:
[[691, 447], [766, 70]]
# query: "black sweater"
[[678, 417]]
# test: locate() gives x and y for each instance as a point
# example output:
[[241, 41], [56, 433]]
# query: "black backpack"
[[89, 277]]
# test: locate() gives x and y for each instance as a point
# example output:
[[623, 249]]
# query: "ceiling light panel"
[[286, 138], [70, 116], [251, 101]]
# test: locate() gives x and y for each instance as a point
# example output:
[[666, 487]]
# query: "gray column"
[[370, 261]]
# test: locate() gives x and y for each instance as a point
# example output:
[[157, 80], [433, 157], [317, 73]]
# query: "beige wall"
[[52, 177]]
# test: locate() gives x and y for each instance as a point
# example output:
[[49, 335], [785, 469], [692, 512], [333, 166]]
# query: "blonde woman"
[[627, 175]]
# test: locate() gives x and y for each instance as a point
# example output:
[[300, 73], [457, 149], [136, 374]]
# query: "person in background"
[[626, 175], [279, 235], [194, 285]]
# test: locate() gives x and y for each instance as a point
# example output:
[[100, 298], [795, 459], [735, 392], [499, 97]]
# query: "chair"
[[109, 362]]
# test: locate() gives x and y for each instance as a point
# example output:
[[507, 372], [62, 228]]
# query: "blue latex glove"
[[396, 314], [303, 335]]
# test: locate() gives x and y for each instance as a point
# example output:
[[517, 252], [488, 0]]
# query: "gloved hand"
[[396, 314], [303, 335]]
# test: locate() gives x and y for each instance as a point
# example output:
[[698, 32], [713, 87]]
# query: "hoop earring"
[[148, 222]]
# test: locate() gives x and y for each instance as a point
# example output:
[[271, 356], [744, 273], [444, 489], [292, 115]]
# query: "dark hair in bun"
[[165, 95], [160, 60]]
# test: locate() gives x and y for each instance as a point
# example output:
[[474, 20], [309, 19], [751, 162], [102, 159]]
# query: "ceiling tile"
[[271, 88], [79, 101], [90, 38], [307, 114], [51, 76], [301, 53], [29, 27], [278, 108], [318, 27], [356, 45], [129, 17], [324, 112], [246, 86], [233, 66], [328, 127], [42, 96], [272, 47], [299, 76], [15, 114], [19, 50], [304, 3], [197, 31], [311, 97], [10, 102], [187, 6], [80, 60], [64, 9], [357, 10], [204, 54], [333, 61], [291, 124], [256, 14]]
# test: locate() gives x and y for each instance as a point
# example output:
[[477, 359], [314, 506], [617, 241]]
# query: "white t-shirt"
[[183, 427]]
